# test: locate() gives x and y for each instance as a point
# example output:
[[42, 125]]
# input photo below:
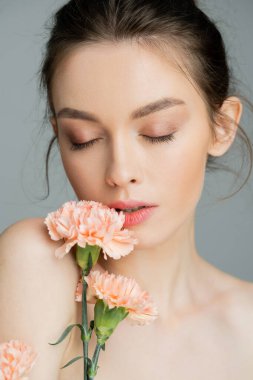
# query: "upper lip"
[[130, 203]]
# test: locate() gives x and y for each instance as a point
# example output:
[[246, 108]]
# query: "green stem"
[[85, 326], [95, 359]]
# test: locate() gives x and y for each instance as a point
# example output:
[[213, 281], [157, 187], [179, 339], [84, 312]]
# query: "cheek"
[[185, 178], [83, 176], [180, 189]]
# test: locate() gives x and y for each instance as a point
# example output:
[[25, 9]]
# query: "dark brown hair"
[[155, 24]]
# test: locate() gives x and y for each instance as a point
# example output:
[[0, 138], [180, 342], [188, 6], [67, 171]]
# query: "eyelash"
[[153, 140]]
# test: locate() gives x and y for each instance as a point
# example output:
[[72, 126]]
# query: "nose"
[[124, 165]]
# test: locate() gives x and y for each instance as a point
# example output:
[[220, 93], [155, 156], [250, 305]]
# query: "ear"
[[226, 126], [53, 122]]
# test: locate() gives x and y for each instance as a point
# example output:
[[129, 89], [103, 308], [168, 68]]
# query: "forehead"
[[122, 74]]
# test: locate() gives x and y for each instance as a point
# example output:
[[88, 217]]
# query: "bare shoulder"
[[26, 245], [30, 229], [36, 292], [241, 296], [32, 235], [240, 312], [242, 299]]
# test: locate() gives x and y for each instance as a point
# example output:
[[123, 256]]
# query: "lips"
[[128, 204], [133, 209], [137, 217]]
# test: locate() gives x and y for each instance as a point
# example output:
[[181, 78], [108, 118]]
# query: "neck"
[[170, 271]]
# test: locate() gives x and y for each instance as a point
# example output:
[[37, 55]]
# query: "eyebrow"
[[142, 111]]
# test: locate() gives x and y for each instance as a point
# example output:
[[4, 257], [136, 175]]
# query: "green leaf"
[[67, 331], [72, 361]]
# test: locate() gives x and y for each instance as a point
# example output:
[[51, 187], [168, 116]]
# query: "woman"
[[140, 105]]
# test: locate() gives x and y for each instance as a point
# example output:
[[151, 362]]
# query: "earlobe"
[[54, 125], [226, 126]]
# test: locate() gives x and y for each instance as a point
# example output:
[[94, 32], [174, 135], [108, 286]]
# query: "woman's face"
[[111, 82]]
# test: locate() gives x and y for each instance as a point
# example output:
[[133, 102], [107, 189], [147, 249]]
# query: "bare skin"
[[211, 340], [199, 333]]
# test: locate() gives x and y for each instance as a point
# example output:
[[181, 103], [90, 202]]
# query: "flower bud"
[[106, 320], [83, 254]]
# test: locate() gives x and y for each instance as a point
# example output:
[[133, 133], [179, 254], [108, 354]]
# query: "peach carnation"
[[119, 291], [90, 222], [16, 360]]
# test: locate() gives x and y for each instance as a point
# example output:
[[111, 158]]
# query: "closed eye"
[[79, 146], [160, 139], [153, 140]]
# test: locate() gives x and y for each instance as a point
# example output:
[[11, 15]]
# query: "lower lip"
[[139, 216]]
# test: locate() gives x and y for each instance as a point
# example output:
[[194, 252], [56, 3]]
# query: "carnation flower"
[[16, 360], [119, 291], [90, 222]]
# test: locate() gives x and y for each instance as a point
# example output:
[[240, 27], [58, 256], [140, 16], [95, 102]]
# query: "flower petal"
[[122, 291], [90, 222], [16, 360]]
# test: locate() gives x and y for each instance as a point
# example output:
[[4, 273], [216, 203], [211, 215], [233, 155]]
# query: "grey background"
[[224, 230]]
